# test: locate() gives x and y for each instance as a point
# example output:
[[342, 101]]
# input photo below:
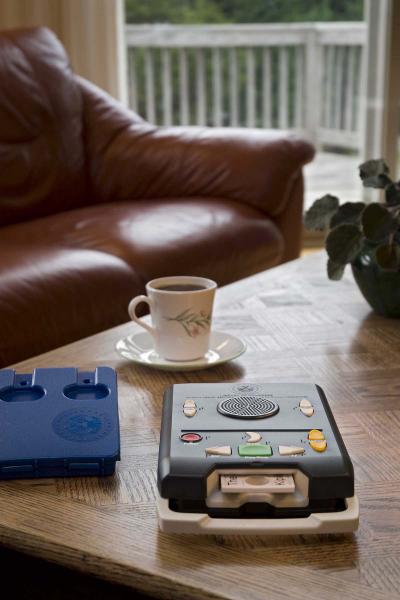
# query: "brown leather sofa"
[[94, 201]]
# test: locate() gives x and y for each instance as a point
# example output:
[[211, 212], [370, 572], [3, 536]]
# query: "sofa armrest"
[[131, 159]]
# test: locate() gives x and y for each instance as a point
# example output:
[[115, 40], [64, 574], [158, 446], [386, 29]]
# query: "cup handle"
[[132, 313]]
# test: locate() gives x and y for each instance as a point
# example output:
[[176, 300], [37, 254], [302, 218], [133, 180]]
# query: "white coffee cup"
[[181, 313]]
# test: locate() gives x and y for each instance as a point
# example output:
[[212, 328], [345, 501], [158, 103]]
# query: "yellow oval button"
[[315, 434], [318, 445]]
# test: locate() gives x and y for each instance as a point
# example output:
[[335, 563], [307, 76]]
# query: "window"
[[292, 65]]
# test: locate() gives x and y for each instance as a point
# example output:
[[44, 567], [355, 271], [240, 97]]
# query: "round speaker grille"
[[248, 407]]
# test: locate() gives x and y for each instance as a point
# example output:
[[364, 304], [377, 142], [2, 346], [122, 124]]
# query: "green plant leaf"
[[344, 243], [377, 222], [388, 257], [375, 174], [349, 212], [335, 271], [392, 194], [320, 213]]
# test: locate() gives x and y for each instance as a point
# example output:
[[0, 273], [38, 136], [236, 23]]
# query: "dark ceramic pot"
[[381, 289]]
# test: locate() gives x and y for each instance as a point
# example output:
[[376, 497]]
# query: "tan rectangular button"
[[290, 450], [219, 451]]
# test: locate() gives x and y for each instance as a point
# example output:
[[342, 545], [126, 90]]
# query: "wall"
[[92, 32]]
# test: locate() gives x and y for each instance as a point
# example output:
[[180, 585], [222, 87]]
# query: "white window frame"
[[381, 112]]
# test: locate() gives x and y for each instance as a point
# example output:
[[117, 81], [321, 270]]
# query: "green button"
[[255, 450]]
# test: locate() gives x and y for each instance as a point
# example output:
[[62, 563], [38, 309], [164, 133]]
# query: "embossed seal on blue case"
[[82, 425]]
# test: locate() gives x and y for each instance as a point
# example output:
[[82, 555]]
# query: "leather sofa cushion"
[[50, 296], [221, 239], [60, 274]]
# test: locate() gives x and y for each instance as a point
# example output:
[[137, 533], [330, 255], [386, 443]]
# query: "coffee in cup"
[[181, 313]]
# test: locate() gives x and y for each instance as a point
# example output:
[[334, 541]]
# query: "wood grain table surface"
[[298, 327]]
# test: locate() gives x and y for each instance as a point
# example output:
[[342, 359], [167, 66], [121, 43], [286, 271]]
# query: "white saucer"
[[139, 348]]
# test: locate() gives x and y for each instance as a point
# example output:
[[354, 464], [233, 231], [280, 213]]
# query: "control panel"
[[285, 425], [209, 427]]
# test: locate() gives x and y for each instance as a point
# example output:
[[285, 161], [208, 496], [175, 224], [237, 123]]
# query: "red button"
[[191, 437]]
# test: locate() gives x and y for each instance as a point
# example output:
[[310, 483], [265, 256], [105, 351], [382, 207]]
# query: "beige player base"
[[345, 521]]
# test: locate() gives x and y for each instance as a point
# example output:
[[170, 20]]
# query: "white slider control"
[[304, 403], [189, 404], [253, 437], [189, 412], [307, 411]]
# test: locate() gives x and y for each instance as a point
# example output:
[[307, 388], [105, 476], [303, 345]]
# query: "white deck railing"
[[304, 76]]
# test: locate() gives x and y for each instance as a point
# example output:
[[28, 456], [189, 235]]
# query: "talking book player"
[[256, 459]]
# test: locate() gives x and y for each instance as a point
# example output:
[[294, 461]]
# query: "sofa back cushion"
[[42, 160]]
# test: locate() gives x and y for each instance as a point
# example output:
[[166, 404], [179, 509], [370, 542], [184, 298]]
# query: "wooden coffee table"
[[298, 327]]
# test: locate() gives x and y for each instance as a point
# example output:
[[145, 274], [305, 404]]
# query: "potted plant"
[[366, 236]]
